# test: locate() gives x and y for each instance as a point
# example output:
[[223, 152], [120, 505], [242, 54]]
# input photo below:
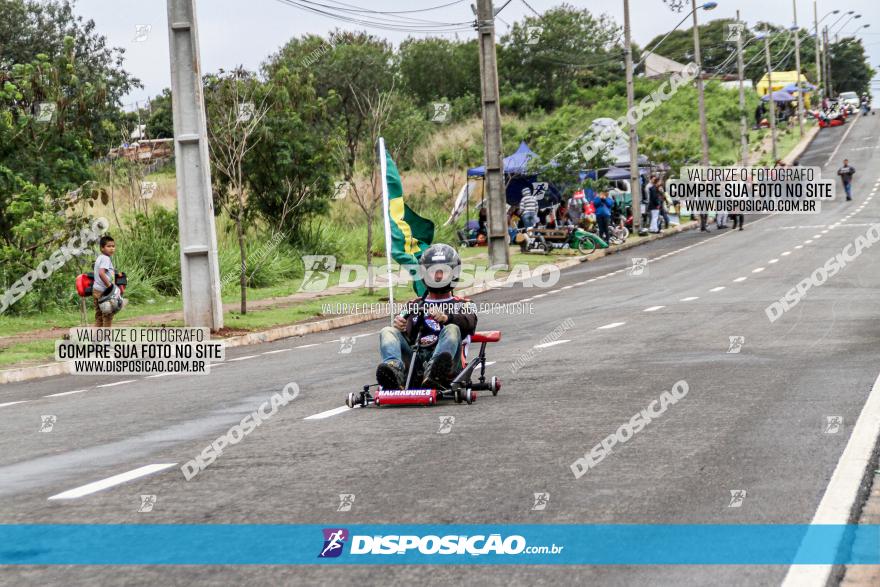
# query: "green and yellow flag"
[[410, 234]]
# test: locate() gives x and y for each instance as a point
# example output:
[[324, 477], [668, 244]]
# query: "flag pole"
[[383, 164]]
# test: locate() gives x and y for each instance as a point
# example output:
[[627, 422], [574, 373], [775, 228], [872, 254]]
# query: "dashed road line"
[[116, 383], [612, 325], [63, 393], [689, 299], [757, 270], [739, 279], [653, 308], [24, 401], [244, 358], [549, 344], [276, 351], [112, 481], [328, 413], [719, 288]]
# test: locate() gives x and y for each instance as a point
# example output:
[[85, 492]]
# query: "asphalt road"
[[753, 420]]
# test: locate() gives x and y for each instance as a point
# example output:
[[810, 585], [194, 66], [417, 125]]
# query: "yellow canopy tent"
[[782, 79]]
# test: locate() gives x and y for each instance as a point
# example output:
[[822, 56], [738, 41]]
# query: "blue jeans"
[[529, 219], [847, 187], [395, 349]]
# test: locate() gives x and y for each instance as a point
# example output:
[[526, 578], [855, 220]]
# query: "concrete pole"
[[199, 266], [635, 184], [797, 66], [493, 181], [743, 122], [818, 49], [770, 94], [701, 103]]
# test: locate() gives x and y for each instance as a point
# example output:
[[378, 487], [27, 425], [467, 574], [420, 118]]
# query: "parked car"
[[850, 99]]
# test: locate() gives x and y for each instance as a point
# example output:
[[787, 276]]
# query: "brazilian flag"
[[410, 233]]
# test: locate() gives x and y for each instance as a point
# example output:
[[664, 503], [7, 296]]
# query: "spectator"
[[664, 213], [483, 217], [576, 208], [105, 277], [603, 203], [654, 204], [846, 173], [528, 207]]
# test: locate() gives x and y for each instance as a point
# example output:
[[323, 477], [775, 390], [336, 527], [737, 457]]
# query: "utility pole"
[[493, 181], [797, 66], [770, 93], [743, 124], [827, 57], [635, 184], [701, 103], [818, 49], [199, 266]]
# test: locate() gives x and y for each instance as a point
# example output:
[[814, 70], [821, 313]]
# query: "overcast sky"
[[245, 32]]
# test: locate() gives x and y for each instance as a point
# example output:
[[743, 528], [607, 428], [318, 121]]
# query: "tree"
[[30, 28], [292, 168], [235, 107], [850, 71], [45, 176], [435, 69], [160, 119], [563, 49]]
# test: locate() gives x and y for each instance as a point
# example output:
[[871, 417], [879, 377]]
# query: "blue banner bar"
[[219, 544]]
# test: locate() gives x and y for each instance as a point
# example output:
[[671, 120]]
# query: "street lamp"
[[831, 26], [857, 29], [846, 22], [819, 42], [797, 66]]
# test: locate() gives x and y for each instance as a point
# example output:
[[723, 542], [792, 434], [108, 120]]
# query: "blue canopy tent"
[[518, 176], [779, 96], [793, 87]]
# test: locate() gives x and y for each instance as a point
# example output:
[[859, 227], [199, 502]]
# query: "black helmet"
[[440, 257]]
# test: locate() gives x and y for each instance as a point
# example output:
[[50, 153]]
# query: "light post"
[[701, 102]]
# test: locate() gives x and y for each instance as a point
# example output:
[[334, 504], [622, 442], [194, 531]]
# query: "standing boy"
[[105, 276], [846, 172]]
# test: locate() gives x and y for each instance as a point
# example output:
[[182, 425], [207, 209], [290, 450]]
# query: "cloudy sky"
[[245, 32]]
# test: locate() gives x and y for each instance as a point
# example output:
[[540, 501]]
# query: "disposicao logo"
[[334, 540]]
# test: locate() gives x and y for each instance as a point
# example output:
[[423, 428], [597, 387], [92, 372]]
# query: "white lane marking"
[[65, 393], [112, 481], [842, 139], [771, 261], [817, 236], [843, 488], [276, 351], [539, 296], [24, 401], [579, 283], [690, 299], [159, 375], [566, 287], [368, 334], [554, 343], [244, 358], [489, 363], [808, 241], [552, 291], [825, 231], [719, 288], [612, 325], [525, 300], [305, 346], [757, 270], [799, 246], [738, 279], [653, 308], [785, 253], [328, 413], [117, 383]]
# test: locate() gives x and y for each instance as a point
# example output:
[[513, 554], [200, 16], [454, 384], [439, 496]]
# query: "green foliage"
[[554, 54], [437, 70], [850, 71]]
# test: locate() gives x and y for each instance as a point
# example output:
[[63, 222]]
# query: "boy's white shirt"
[[100, 263]]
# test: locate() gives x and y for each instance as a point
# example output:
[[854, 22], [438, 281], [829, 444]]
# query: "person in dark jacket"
[[439, 320], [655, 203], [846, 174]]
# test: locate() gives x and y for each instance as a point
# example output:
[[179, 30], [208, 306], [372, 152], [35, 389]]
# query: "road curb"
[[302, 329], [802, 145]]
